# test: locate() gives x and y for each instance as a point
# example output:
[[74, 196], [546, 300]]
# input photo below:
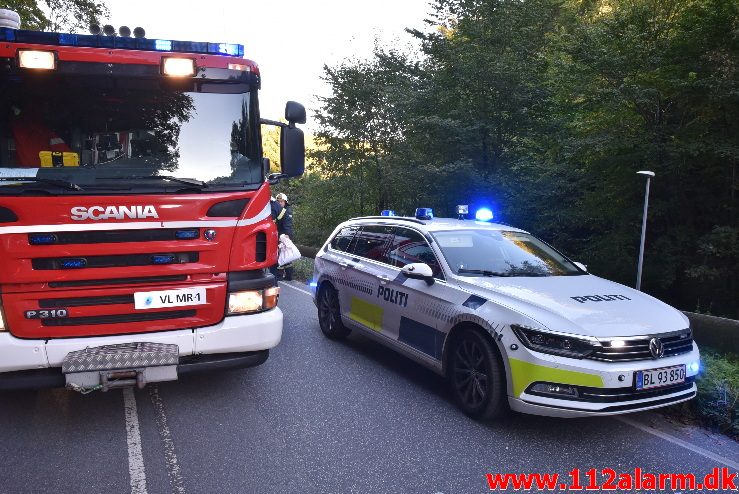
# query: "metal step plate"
[[121, 356]]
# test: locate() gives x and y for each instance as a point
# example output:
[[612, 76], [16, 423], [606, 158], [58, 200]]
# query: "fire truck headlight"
[[37, 59], [252, 301], [178, 67]]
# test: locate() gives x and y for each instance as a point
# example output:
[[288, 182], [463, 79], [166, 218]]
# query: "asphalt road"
[[319, 416]]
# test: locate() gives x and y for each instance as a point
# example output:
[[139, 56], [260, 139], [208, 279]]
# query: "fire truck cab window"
[[125, 128]]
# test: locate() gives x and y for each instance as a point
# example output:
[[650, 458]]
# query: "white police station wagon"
[[506, 318]]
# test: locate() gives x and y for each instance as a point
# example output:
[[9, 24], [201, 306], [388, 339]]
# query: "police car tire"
[[471, 343], [329, 313]]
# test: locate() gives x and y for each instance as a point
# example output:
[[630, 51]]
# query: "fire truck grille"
[[114, 236], [676, 343], [83, 262], [118, 281], [85, 301], [119, 318]]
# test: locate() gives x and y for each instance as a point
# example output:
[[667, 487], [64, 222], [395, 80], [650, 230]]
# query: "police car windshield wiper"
[[50, 181], [168, 178], [483, 272]]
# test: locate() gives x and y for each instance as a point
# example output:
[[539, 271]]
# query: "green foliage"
[[303, 269], [549, 107], [58, 15], [717, 402]]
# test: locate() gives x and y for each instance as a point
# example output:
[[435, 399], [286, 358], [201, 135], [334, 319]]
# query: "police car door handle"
[[344, 264]]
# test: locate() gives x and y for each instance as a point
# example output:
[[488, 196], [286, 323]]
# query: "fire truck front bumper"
[[236, 342]]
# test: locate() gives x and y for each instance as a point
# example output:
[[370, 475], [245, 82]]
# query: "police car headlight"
[[554, 344], [252, 301]]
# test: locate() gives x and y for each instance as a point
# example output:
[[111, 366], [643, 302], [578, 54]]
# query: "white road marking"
[[136, 470], [282, 283], [691, 447], [170, 458]]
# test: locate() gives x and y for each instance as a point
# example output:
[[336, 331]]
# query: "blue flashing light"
[[97, 41], [388, 212], [226, 49], [73, 263], [186, 234], [162, 259], [313, 284], [163, 45], [484, 214], [42, 239], [694, 366], [424, 213]]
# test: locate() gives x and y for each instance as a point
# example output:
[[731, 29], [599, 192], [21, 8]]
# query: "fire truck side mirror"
[[292, 151], [294, 113]]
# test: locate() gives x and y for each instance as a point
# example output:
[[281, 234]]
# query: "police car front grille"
[[676, 343]]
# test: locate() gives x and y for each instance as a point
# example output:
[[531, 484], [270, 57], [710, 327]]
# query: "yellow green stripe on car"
[[524, 373], [367, 314]]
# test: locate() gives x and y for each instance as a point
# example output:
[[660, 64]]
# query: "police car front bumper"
[[597, 388]]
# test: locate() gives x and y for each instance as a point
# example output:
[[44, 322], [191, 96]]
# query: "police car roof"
[[436, 224]]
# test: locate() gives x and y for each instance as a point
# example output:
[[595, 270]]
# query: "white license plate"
[[655, 378], [169, 298]]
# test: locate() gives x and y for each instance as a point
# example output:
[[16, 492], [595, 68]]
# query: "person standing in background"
[[285, 226]]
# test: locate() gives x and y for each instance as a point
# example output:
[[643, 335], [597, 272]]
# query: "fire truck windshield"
[[101, 133]]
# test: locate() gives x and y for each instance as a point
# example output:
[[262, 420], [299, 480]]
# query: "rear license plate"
[[655, 378], [169, 298]]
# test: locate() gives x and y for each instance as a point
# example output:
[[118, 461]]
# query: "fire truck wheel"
[[329, 313]]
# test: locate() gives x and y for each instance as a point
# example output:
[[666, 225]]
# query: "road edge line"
[[691, 447], [136, 469], [170, 458], [283, 283]]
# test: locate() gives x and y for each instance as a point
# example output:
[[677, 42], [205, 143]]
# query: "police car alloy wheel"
[[329, 314], [476, 376]]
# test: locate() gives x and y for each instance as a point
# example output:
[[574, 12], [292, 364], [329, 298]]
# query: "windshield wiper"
[[50, 181], [483, 272], [186, 181]]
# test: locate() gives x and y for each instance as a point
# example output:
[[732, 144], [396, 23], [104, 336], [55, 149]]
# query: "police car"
[[510, 321]]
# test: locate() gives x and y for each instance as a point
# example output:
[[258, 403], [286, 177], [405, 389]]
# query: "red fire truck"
[[135, 217]]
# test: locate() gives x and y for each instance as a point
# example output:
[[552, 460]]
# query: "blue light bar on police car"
[[388, 212], [484, 214], [120, 42], [424, 213]]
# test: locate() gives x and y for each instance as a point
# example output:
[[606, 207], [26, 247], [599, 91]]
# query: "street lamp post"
[[649, 176]]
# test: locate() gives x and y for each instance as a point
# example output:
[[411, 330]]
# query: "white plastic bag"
[[287, 251]]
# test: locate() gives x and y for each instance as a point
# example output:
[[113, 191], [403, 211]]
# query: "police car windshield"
[[501, 253], [117, 133]]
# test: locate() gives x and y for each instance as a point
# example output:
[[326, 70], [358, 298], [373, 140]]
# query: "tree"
[[58, 15]]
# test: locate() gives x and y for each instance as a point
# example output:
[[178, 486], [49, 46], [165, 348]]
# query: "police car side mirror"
[[418, 271], [582, 266]]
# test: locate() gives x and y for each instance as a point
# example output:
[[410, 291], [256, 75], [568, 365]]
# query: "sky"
[[290, 40]]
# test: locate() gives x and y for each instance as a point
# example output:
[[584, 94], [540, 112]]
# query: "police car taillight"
[[37, 59]]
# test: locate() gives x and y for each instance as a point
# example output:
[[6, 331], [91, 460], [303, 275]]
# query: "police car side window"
[[409, 246], [343, 239], [371, 242]]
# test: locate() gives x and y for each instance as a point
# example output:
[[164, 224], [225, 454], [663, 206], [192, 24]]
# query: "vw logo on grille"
[[656, 348]]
